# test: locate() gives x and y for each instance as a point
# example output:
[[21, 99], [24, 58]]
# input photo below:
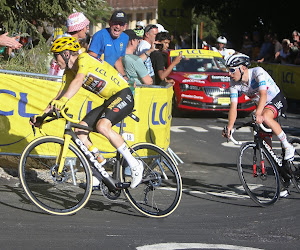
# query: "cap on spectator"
[[160, 28], [77, 21], [132, 35], [119, 16], [140, 23]]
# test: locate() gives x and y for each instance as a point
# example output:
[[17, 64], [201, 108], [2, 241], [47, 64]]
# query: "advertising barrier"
[[22, 97], [287, 77]]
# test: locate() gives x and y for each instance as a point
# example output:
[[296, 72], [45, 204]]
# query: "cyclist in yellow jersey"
[[99, 77]]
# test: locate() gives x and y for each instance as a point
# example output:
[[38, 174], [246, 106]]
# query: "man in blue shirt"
[[111, 42]]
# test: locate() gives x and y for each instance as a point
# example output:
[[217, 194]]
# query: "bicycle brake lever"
[[32, 126]]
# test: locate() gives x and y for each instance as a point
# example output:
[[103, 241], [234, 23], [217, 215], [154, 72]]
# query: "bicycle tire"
[[295, 164], [264, 189], [55, 194], [160, 197]]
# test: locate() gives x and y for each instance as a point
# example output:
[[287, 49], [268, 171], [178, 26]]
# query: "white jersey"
[[259, 79]]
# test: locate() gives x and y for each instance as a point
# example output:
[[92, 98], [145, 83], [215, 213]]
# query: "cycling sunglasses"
[[232, 70], [150, 27]]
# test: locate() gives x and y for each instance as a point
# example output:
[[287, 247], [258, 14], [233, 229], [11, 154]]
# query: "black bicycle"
[[56, 174], [261, 170]]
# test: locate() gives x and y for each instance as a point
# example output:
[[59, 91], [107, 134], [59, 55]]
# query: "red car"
[[202, 82]]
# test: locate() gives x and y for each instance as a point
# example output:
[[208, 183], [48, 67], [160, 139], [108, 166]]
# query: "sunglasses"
[[232, 70], [150, 27]]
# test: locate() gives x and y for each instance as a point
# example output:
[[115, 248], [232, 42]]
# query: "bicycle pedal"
[[122, 185]]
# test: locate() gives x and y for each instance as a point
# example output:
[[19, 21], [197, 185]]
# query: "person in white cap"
[[139, 30], [161, 28], [221, 45]]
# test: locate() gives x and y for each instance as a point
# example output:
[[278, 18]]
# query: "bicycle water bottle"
[[100, 158]]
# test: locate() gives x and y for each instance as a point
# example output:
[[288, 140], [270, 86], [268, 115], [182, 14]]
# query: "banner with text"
[[22, 97], [287, 77]]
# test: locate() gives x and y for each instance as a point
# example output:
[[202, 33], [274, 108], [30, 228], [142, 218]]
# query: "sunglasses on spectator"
[[148, 28], [118, 23]]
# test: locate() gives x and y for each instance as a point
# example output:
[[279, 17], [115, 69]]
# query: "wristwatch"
[[147, 54]]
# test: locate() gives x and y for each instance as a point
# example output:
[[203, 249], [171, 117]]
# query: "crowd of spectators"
[[270, 49], [139, 55]]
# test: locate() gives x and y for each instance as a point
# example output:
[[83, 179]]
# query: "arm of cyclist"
[[231, 119], [73, 88], [261, 105]]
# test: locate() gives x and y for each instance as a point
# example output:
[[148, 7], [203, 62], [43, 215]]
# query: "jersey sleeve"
[[260, 78], [141, 69], [97, 43], [234, 93]]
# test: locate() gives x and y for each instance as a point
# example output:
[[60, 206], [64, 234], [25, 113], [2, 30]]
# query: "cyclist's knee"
[[104, 126]]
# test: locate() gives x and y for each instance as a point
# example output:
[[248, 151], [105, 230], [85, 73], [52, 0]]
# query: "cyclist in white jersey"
[[259, 86]]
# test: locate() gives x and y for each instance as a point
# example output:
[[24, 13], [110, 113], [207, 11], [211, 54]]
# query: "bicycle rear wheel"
[[263, 188], [160, 192], [38, 172], [295, 164]]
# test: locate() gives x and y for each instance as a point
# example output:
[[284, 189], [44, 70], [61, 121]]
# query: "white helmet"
[[160, 28], [222, 39], [237, 60]]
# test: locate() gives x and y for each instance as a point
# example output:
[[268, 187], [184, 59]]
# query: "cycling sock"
[[127, 155], [282, 137]]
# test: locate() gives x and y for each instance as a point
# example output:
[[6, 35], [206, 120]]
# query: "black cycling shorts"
[[278, 105], [116, 108]]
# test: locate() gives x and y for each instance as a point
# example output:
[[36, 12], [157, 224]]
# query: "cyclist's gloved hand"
[[59, 104]]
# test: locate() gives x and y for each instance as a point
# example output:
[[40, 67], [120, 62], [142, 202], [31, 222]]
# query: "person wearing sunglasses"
[[259, 86], [146, 46], [110, 43]]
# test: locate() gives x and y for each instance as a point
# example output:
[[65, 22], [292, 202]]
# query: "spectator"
[[78, 26], [247, 45], [255, 45], [139, 30], [296, 38], [276, 44], [221, 44], [11, 42], [133, 65], [146, 46], [286, 55], [266, 53], [111, 42], [157, 59]]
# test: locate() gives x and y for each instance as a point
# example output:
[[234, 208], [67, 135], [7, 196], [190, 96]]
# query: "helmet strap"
[[66, 57], [242, 73]]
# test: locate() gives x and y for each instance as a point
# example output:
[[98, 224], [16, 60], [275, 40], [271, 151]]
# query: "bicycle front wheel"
[[160, 192], [295, 164], [258, 174], [59, 194]]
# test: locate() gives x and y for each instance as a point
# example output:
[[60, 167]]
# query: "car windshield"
[[196, 64]]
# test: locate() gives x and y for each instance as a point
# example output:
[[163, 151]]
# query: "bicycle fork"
[[63, 154], [262, 163]]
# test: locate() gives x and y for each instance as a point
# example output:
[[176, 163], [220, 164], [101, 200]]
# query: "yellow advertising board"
[[287, 77], [22, 97]]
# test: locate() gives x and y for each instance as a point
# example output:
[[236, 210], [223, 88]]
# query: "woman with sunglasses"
[[259, 86]]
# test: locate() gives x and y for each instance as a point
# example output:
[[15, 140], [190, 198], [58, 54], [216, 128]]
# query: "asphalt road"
[[213, 214]]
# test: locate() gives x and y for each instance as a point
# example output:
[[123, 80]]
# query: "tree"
[[36, 17]]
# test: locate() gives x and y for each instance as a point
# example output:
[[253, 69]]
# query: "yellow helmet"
[[65, 43]]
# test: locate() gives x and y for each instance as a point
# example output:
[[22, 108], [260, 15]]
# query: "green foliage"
[[35, 60], [25, 16]]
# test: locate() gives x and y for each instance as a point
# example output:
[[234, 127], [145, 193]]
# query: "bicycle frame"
[[70, 135]]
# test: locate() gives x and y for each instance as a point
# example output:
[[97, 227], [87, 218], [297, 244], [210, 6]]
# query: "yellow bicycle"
[[56, 174]]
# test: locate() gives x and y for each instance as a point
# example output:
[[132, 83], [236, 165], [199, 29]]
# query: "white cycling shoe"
[[137, 174], [289, 153]]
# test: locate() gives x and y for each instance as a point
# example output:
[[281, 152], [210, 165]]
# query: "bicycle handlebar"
[[247, 124]]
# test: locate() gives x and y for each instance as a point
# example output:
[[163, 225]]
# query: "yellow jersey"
[[100, 77]]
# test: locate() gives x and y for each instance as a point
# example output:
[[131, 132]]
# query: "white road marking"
[[180, 129], [174, 246]]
